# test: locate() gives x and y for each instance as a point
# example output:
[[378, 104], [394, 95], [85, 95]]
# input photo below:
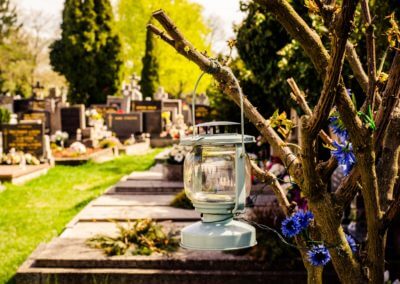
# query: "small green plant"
[[4, 115], [181, 201], [142, 237]]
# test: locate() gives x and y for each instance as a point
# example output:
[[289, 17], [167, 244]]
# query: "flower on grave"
[[318, 255], [305, 218], [344, 155], [338, 128], [352, 243]]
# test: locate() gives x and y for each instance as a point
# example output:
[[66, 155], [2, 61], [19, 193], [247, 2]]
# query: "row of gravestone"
[[145, 117]]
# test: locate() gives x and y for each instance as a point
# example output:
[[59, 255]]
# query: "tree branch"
[[390, 100], [391, 215], [270, 179], [298, 96], [356, 66], [371, 55], [387, 168], [341, 33], [230, 86]]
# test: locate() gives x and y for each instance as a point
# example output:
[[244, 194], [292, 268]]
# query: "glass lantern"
[[217, 180]]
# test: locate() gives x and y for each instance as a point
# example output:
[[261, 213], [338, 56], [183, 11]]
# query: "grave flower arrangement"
[[177, 154], [110, 142], [142, 237], [59, 138], [94, 117], [18, 158]]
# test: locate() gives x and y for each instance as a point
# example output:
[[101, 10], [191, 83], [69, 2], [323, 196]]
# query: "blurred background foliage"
[[177, 75], [268, 56]]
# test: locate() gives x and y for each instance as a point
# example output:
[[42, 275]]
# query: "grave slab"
[[149, 187], [141, 148], [74, 253], [85, 230], [123, 213], [133, 200], [147, 175], [18, 175]]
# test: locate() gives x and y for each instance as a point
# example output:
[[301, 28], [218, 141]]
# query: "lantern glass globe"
[[210, 174]]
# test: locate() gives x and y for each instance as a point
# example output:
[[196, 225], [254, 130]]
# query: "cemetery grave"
[[24, 152]]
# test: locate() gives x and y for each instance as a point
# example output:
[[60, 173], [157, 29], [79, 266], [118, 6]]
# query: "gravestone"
[[104, 110], [72, 118], [120, 103], [125, 124], [173, 106], [43, 116], [26, 137], [21, 105], [152, 122], [145, 106]]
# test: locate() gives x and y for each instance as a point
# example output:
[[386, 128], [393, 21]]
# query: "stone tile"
[[123, 213], [147, 175], [133, 200]]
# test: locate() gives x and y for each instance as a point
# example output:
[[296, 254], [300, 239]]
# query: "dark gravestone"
[[22, 105], [125, 124], [145, 106], [152, 122], [73, 118], [26, 137], [43, 116]]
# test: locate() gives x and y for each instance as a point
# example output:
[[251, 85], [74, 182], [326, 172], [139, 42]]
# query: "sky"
[[226, 10]]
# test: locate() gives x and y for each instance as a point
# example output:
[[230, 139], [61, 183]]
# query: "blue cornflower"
[[318, 255], [344, 155], [291, 226], [352, 243], [305, 217], [338, 128]]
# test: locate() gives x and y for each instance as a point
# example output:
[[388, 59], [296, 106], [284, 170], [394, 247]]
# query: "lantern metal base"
[[226, 234]]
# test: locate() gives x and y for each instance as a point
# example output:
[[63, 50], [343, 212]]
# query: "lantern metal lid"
[[218, 155]]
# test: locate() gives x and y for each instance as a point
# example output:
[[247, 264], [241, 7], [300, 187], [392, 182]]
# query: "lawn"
[[38, 211]]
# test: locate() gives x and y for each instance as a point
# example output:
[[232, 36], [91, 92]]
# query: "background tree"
[[15, 57], [88, 53], [176, 76], [150, 80], [8, 19], [369, 147]]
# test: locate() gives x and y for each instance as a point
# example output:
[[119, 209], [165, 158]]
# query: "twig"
[[269, 178], [298, 97], [371, 55]]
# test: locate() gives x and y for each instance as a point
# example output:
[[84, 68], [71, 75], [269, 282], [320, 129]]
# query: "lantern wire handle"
[[194, 110], [194, 102]]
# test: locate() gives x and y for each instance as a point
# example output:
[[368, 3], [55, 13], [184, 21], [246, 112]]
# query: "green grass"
[[38, 211]]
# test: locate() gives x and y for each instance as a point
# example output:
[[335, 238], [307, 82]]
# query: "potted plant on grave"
[[173, 169]]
